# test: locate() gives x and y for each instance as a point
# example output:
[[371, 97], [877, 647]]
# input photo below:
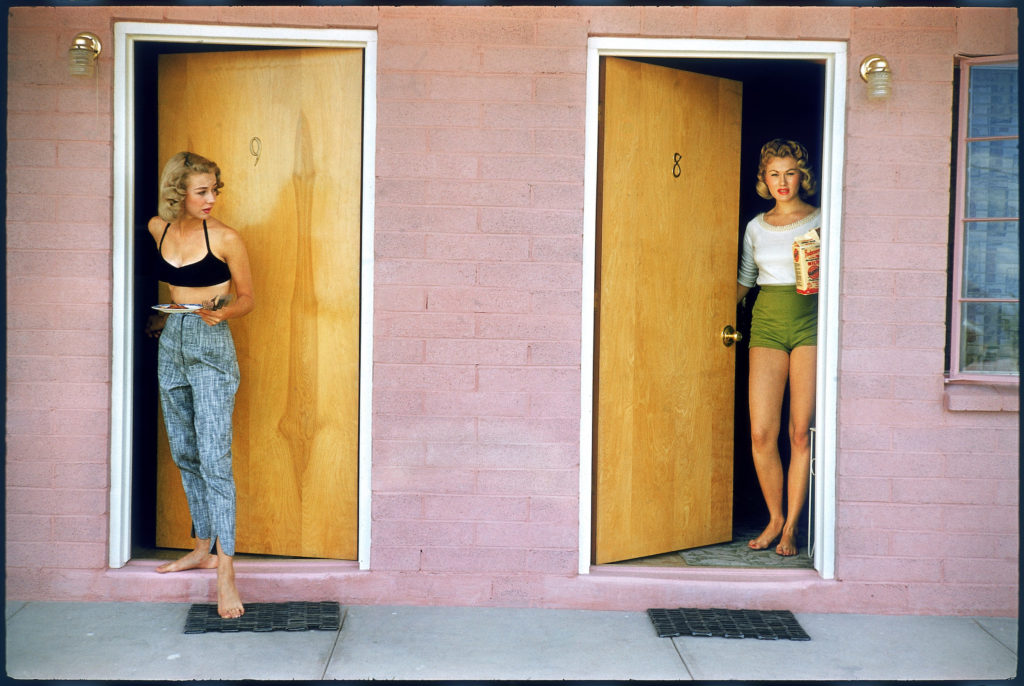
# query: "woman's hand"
[[212, 311], [212, 317], [155, 324]]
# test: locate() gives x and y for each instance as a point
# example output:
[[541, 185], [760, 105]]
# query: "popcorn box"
[[806, 254]]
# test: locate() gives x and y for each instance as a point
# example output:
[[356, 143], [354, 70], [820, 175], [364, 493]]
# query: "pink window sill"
[[977, 397]]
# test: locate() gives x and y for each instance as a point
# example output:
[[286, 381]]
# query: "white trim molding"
[[833, 55], [126, 34]]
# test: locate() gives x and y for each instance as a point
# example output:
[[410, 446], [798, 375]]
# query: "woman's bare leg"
[[198, 558], [802, 369], [769, 369], [229, 604]]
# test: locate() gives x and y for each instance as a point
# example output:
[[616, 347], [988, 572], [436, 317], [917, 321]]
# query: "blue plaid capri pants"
[[197, 371]]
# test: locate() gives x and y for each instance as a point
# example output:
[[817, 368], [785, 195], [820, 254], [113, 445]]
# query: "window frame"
[[957, 299]]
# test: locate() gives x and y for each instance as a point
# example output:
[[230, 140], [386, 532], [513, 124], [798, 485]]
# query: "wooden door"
[[285, 126], [669, 165]]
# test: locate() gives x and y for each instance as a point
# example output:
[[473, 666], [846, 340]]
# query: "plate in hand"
[[174, 308]]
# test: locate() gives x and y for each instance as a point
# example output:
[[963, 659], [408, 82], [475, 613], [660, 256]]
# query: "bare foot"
[[197, 559], [229, 604], [767, 537], [787, 545]]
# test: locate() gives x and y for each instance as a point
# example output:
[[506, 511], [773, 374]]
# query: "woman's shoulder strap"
[[163, 235]]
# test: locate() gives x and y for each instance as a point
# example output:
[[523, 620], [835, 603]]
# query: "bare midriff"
[[185, 295]]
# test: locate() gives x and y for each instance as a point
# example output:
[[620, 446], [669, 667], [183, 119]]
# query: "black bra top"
[[208, 271]]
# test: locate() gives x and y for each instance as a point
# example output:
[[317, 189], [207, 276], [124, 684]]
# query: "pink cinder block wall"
[[477, 283], [479, 217], [927, 496]]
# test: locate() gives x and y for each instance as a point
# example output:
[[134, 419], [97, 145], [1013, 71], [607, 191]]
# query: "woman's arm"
[[741, 291], [156, 228], [155, 322], [232, 250]]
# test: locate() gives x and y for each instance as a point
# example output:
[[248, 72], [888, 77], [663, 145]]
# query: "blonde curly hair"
[[782, 147], [174, 181]]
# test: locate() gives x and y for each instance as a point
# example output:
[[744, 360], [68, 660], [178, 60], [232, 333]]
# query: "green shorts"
[[784, 319]]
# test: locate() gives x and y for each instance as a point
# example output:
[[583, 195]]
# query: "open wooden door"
[[285, 126], [668, 212]]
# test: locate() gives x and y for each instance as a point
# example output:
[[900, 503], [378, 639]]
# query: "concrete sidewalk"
[[144, 641]]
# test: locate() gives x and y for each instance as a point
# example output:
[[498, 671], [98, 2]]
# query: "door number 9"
[[255, 148]]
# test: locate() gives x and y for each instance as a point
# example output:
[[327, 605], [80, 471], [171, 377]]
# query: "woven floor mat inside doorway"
[[763, 624], [293, 616]]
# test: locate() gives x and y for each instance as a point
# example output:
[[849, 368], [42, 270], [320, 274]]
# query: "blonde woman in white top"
[[783, 337]]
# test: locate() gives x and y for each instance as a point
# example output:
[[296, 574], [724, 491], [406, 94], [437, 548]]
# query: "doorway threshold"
[[707, 574], [150, 558], [262, 579], [730, 554]]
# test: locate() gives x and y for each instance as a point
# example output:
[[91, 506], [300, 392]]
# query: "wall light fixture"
[[875, 70], [85, 48]]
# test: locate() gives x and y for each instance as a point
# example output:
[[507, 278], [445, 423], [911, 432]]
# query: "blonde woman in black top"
[[202, 260]]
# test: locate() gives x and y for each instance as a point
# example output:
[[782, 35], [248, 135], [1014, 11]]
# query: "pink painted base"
[[620, 588]]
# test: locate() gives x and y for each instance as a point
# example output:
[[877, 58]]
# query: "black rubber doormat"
[[763, 624], [293, 616]]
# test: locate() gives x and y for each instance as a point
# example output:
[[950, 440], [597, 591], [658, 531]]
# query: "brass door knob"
[[730, 336]]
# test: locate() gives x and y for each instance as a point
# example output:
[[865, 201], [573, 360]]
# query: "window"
[[985, 303]]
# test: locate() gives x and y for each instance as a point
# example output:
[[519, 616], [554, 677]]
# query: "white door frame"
[[833, 56], [126, 34]]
